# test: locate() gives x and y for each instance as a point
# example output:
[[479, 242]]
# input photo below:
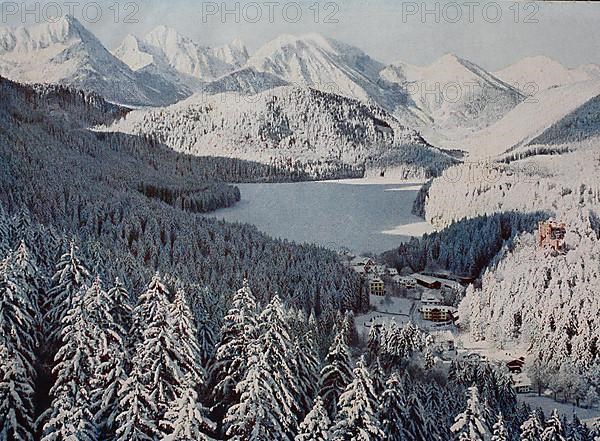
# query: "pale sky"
[[388, 30]]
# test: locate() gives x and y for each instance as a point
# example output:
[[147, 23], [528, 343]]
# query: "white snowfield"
[[529, 119]]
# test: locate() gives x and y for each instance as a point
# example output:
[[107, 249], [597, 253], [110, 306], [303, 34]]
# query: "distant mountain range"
[[452, 102]]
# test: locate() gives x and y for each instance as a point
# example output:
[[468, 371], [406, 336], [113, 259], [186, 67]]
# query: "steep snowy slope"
[[64, 52], [533, 74], [531, 119], [331, 66], [454, 93], [287, 124]]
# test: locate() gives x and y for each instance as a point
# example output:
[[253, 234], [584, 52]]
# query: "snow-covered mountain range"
[[556, 107], [65, 52], [164, 48], [452, 103]]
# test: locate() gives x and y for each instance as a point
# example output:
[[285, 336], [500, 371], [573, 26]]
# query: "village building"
[[522, 384], [438, 313], [380, 270], [376, 287], [427, 281], [516, 366], [404, 281], [444, 275], [444, 340], [430, 299], [452, 286], [392, 272], [365, 263]]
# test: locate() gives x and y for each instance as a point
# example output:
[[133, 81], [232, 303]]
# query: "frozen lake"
[[354, 214]]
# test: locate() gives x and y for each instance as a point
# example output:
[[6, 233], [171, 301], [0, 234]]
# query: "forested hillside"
[[239, 368], [321, 134], [558, 184], [549, 303], [465, 247], [530, 296]]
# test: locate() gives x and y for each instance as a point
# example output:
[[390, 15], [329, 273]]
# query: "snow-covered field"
[[396, 310], [359, 215], [567, 409]]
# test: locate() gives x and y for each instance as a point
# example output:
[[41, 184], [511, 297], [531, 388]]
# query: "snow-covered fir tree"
[[154, 301], [357, 417], [307, 370], [186, 335], [16, 398], [121, 308], [532, 428], [112, 353], [238, 332], [26, 271], [138, 420], [157, 353], [70, 276], [316, 425], [336, 373], [471, 425], [553, 429], [70, 415], [499, 430], [391, 409], [186, 420], [258, 416], [277, 346], [17, 314]]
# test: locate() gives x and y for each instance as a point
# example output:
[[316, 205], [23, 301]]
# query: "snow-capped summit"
[[316, 61], [533, 74], [65, 52], [24, 40], [454, 92]]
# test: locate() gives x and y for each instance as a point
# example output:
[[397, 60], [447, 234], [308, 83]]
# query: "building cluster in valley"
[[425, 299], [431, 289]]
